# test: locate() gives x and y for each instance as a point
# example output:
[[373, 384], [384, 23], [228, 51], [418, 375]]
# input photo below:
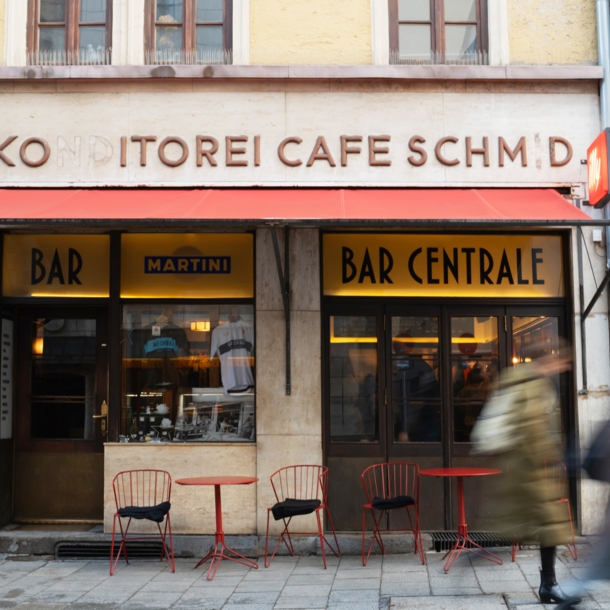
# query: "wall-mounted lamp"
[[38, 346], [201, 326]]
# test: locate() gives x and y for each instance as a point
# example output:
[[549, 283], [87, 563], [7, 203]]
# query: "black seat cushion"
[[291, 508], [390, 503], [152, 513]]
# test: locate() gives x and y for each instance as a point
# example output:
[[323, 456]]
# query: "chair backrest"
[[391, 479], [301, 482], [141, 488], [555, 472]]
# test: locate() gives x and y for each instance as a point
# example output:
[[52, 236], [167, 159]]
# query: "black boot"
[[550, 592]]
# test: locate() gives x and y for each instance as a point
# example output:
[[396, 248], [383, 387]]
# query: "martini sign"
[[597, 164]]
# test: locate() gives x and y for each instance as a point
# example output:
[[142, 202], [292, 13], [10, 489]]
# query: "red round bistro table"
[[220, 550], [463, 537]]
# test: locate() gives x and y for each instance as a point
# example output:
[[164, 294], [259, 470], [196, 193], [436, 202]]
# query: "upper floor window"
[[438, 31], [69, 31], [189, 31]]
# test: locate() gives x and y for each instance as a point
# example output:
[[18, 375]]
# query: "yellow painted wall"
[[552, 31], [310, 32], [2, 26]]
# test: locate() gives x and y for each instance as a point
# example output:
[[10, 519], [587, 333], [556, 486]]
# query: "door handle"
[[104, 417]]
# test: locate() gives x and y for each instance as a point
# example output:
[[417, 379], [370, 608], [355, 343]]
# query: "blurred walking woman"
[[527, 426]]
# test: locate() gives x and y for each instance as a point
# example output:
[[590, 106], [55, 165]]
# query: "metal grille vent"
[[444, 541], [101, 550]]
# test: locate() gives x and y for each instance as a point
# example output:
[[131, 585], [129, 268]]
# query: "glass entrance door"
[[62, 384], [408, 383]]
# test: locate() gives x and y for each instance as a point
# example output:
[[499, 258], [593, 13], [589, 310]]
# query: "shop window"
[[189, 31], [188, 373], [69, 32], [438, 31]]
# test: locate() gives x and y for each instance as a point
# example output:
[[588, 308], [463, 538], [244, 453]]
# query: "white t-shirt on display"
[[234, 342]]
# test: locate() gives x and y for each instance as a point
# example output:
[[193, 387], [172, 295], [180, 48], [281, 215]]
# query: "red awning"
[[323, 205]]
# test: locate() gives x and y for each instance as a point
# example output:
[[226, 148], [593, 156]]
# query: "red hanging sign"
[[597, 164]]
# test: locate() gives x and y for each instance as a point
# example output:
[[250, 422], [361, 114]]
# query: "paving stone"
[[356, 574], [161, 586], [306, 591], [109, 595], [456, 591], [212, 592], [311, 569], [503, 576], [87, 606], [199, 604], [399, 567], [362, 583], [265, 597], [415, 590], [315, 560], [258, 576], [313, 603], [362, 595], [42, 606], [251, 586], [467, 580], [473, 602], [522, 597], [156, 598], [507, 586], [248, 607], [310, 579], [353, 606]]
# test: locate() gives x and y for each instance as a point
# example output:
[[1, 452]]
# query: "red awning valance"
[[323, 205]]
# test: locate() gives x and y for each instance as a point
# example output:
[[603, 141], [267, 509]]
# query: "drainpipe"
[[603, 46]]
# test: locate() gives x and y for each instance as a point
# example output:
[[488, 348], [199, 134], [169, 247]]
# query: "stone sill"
[[182, 444], [433, 72]]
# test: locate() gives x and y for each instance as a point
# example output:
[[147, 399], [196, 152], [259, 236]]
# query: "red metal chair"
[[391, 486], [555, 472], [300, 490], [142, 494]]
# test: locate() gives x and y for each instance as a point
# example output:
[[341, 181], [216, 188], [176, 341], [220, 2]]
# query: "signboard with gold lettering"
[[201, 265], [56, 266], [391, 265]]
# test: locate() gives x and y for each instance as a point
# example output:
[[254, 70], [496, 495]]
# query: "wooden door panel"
[[57, 486]]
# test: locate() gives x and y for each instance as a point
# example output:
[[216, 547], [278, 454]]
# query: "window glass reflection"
[[64, 356], [474, 366], [353, 379], [416, 379], [188, 373]]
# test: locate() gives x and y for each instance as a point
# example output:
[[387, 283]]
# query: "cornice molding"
[[217, 72]]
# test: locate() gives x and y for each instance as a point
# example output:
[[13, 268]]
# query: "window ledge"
[[428, 72]]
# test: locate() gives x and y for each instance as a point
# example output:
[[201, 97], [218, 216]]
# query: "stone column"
[[289, 428]]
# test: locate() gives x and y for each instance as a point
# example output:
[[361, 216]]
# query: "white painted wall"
[[380, 32], [16, 32], [499, 51], [241, 32], [128, 33]]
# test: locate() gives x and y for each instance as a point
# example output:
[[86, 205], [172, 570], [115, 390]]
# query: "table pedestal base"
[[221, 551], [461, 545]]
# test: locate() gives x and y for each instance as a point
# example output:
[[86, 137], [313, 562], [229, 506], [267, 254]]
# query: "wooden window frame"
[[437, 23], [72, 25], [189, 27]]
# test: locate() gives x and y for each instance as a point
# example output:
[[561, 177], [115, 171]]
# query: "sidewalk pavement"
[[393, 582]]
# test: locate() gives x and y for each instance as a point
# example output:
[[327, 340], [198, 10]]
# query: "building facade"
[[243, 235]]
